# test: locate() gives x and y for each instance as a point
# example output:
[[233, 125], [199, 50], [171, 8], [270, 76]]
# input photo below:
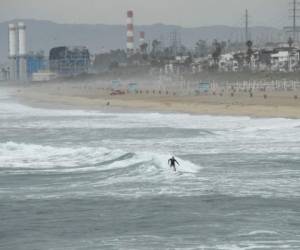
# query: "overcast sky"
[[188, 13]]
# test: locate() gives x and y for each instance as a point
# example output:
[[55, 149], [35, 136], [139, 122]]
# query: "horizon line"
[[138, 25]]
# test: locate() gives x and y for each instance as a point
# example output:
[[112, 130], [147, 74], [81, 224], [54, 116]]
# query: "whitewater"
[[82, 179]]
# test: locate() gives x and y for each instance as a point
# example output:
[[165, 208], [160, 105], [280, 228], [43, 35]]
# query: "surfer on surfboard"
[[172, 162]]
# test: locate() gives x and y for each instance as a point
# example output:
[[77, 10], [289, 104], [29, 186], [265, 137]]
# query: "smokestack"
[[13, 51], [142, 37], [22, 52], [130, 32]]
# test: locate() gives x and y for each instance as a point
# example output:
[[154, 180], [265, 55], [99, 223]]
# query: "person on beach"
[[172, 162]]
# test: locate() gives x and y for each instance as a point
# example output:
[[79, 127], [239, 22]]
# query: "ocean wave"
[[31, 157], [260, 233], [20, 116]]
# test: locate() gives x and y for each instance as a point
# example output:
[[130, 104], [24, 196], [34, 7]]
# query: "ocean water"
[[75, 179]]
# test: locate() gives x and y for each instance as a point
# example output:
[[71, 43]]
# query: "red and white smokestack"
[[130, 32], [142, 37]]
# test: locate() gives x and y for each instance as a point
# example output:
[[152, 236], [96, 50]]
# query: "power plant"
[[130, 45], [63, 61], [17, 52]]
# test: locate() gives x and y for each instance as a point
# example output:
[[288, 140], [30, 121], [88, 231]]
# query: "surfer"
[[172, 162]]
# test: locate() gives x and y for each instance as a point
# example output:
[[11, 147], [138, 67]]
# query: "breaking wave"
[[20, 156]]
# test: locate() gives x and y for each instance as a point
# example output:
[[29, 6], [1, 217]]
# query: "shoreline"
[[70, 96]]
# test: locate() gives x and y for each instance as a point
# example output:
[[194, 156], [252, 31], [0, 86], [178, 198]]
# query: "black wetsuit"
[[172, 163]]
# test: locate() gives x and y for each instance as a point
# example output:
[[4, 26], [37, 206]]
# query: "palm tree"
[[155, 47], [143, 48], [249, 51]]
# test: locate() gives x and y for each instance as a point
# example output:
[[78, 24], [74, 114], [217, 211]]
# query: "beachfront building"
[[285, 60], [279, 61], [228, 63]]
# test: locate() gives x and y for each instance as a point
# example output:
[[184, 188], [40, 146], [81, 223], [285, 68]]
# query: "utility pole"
[[246, 26], [294, 16]]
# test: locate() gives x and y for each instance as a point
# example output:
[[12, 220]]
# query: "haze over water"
[[72, 179]]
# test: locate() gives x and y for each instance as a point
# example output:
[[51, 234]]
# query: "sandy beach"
[[91, 96]]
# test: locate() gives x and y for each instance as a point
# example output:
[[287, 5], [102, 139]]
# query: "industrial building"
[[23, 77], [13, 66], [17, 52], [36, 62], [24, 66], [69, 61]]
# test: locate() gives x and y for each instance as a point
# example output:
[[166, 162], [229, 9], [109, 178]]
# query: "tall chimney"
[[12, 51], [130, 32], [142, 37], [22, 52]]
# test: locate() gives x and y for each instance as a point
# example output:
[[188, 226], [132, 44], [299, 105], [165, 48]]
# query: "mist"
[[191, 13]]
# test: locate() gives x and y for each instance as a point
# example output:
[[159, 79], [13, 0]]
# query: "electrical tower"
[[175, 41], [294, 14]]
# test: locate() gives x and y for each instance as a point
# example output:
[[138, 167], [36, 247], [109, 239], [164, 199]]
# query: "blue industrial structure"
[[35, 63]]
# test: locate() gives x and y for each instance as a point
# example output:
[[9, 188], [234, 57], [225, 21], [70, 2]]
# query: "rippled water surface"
[[72, 179]]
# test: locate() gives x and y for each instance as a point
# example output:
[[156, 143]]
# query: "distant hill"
[[43, 35]]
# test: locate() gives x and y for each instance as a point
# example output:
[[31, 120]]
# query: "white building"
[[228, 63], [285, 60]]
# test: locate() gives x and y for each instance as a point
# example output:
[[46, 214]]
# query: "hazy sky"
[[189, 13]]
